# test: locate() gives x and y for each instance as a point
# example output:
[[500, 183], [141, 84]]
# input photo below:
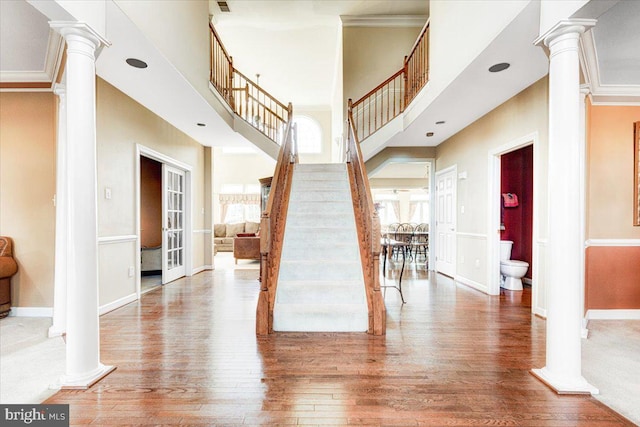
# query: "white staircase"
[[320, 284]]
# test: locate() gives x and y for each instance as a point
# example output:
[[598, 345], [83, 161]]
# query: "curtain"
[[412, 210], [227, 200], [395, 205]]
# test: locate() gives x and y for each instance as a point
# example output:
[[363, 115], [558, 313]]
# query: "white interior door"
[[446, 221], [173, 223]]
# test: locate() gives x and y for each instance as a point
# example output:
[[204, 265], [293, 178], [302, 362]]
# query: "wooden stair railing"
[[391, 97], [245, 97], [368, 226], [272, 225]]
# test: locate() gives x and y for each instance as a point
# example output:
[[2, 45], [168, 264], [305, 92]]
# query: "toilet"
[[512, 271]]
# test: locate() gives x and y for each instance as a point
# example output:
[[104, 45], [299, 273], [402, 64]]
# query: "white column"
[[59, 324], [83, 367], [563, 370], [584, 91]]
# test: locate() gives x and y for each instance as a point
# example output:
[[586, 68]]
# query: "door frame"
[[493, 226], [454, 169], [143, 151]]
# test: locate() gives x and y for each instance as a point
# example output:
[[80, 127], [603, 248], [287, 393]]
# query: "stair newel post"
[[262, 313], [379, 310], [405, 77]]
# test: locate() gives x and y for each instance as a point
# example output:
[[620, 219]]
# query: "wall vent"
[[224, 7]]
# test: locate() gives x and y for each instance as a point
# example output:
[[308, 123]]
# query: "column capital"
[[69, 29], [564, 27], [60, 89]]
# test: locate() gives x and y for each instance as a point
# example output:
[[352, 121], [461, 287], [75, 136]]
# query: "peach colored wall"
[[612, 278], [27, 187], [610, 172], [150, 203], [612, 272]]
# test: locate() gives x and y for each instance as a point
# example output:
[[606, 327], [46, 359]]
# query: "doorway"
[[527, 232], [446, 199], [163, 219]]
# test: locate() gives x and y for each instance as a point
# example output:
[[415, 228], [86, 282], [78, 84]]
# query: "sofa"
[[223, 234], [8, 267], [246, 247]]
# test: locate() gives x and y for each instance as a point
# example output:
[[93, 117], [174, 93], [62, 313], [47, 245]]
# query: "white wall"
[[524, 114], [121, 124]]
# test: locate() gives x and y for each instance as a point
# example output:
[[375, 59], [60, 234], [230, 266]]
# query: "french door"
[[446, 221], [173, 223]]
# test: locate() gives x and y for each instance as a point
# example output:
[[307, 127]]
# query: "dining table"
[[386, 243]]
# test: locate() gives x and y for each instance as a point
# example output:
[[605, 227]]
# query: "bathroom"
[[516, 188]]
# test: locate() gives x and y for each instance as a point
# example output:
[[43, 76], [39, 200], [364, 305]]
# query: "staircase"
[[320, 284]]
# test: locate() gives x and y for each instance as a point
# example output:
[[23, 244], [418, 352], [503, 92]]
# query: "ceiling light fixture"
[[496, 68], [136, 63], [429, 134]]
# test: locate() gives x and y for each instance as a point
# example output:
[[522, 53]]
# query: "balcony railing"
[[390, 98], [245, 97]]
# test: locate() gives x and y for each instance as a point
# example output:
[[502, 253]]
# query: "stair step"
[[320, 234], [329, 220], [322, 271], [306, 167], [321, 292], [320, 184], [321, 318], [315, 207], [320, 196], [326, 253]]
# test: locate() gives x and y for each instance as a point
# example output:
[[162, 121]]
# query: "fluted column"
[[563, 370], [59, 324], [83, 367]]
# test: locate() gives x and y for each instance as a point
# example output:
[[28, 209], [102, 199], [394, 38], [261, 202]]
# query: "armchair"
[[8, 267]]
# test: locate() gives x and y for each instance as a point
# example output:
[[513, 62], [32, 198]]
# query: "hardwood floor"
[[187, 354]]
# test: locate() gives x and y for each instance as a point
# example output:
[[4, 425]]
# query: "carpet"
[[611, 362], [31, 363]]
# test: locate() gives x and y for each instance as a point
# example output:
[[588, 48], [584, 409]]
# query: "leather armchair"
[[8, 267]]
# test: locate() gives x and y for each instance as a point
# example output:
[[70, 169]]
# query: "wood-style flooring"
[[187, 354]]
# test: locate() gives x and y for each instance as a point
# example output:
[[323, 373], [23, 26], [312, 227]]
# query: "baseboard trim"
[[118, 303], [201, 269], [31, 312], [613, 314], [472, 284]]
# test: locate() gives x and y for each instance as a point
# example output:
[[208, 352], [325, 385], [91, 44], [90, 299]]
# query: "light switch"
[[107, 193]]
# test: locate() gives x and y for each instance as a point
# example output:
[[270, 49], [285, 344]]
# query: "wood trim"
[[377, 88], [117, 239], [636, 174], [26, 85]]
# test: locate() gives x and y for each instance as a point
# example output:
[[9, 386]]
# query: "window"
[[419, 209], [388, 208], [309, 135], [242, 213], [239, 203]]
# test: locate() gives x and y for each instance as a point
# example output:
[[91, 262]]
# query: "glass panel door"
[[173, 266]]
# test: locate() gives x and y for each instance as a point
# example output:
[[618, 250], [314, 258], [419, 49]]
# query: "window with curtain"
[[239, 207], [419, 209], [388, 208]]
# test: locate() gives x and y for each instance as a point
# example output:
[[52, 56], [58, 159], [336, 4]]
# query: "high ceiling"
[[294, 45], [293, 42]]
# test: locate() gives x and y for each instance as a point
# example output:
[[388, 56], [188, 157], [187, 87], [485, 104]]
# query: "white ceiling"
[[293, 44]]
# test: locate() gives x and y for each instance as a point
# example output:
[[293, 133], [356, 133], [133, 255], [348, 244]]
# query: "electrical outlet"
[[477, 263], [131, 271], [107, 193]]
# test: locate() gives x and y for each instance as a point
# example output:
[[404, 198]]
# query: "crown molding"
[[383, 20], [37, 78], [603, 94]]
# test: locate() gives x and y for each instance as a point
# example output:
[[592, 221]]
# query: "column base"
[[564, 385], [55, 332], [83, 382]]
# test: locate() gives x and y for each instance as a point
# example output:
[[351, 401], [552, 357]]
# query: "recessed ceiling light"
[[496, 68], [136, 63], [201, 124], [429, 134], [440, 122]]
